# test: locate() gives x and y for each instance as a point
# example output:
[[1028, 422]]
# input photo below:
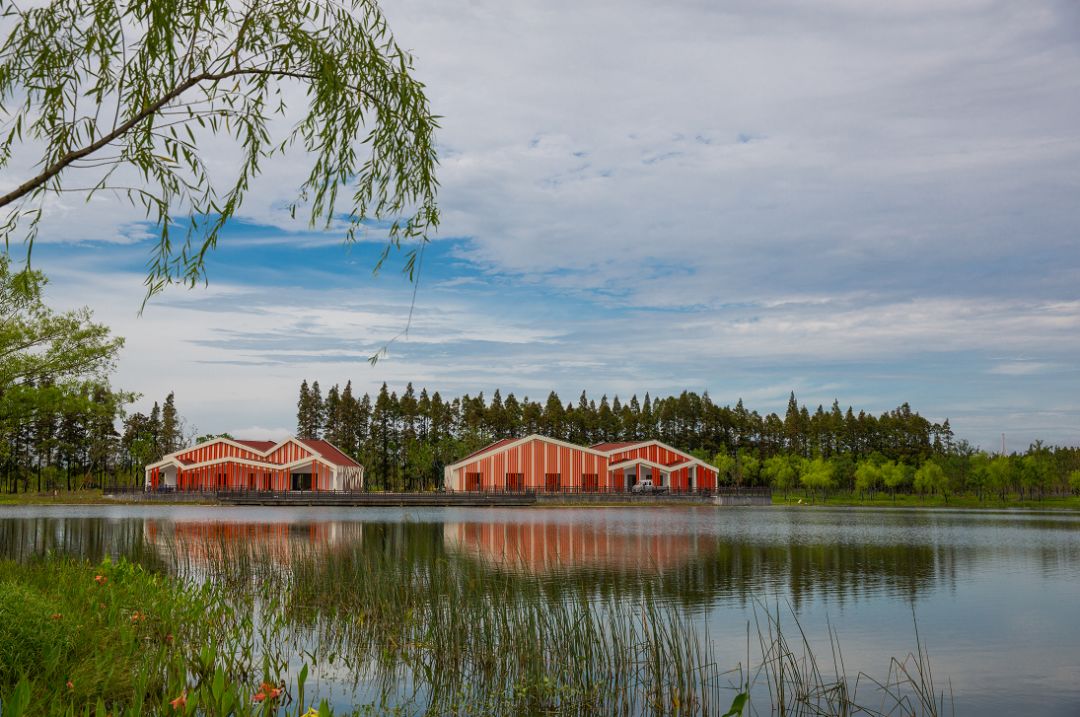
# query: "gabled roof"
[[489, 447], [261, 446], [607, 447], [605, 450], [323, 450], [329, 451]]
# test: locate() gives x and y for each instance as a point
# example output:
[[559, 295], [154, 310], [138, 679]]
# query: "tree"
[[725, 464], [747, 468], [1036, 469], [207, 437], [1074, 481], [1000, 472], [930, 478], [307, 418], [171, 431], [895, 476], [124, 98], [868, 477], [782, 471], [41, 347], [980, 474], [818, 475], [54, 369]]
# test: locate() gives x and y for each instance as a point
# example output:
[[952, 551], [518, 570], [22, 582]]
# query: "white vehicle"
[[646, 486]]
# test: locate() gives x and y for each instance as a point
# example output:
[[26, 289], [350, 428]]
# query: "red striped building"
[[548, 464], [227, 464]]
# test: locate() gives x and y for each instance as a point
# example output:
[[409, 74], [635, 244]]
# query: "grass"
[[114, 638], [90, 495], [837, 499], [82, 496], [911, 500], [416, 633]]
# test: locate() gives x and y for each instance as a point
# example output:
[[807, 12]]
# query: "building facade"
[[225, 464], [548, 464]]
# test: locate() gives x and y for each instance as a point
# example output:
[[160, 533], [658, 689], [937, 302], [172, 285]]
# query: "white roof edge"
[[247, 461], [559, 442], [241, 446]]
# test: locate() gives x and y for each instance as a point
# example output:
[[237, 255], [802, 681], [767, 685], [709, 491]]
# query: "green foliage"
[[1074, 481], [725, 464], [930, 478], [782, 471], [1036, 470], [818, 475], [868, 477], [127, 97], [896, 476], [75, 636], [1001, 475], [748, 468], [405, 439], [55, 403], [466, 639], [207, 437]]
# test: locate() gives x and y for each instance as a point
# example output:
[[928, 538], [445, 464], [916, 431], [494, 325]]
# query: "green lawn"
[[62, 496], [884, 500], [89, 496]]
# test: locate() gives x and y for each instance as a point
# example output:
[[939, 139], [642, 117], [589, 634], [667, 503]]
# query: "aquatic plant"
[[236, 629]]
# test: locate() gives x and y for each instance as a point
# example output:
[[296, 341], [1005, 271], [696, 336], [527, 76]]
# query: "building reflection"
[[697, 568], [543, 547], [619, 557], [201, 542]]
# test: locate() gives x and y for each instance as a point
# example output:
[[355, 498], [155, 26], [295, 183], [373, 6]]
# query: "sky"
[[864, 201]]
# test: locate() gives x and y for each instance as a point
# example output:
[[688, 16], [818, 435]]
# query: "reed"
[[416, 633]]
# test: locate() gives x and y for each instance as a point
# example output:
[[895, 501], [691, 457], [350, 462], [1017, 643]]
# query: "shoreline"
[[1056, 504]]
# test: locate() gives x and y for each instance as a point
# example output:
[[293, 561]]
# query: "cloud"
[[1021, 367], [867, 201]]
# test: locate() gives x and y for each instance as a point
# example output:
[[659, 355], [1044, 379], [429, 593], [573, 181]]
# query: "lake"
[[993, 594]]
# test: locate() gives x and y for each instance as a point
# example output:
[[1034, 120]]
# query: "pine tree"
[[793, 428], [332, 428], [304, 423], [318, 411], [156, 433], [552, 422], [347, 420], [171, 433]]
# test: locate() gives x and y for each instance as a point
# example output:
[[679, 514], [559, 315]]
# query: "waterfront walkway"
[[350, 498]]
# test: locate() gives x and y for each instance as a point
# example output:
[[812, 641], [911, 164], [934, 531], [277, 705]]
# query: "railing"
[[763, 491], [170, 492]]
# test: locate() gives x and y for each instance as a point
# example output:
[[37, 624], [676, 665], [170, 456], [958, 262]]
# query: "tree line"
[[63, 425], [404, 440]]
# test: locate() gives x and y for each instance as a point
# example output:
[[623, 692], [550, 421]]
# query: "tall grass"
[[416, 633]]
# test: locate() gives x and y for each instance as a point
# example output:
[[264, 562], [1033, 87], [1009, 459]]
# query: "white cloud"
[[843, 198]]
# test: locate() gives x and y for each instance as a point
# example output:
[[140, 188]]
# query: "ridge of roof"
[[614, 445], [488, 447], [261, 446], [329, 451]]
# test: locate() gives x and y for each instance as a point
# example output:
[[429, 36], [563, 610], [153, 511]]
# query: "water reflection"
[[693, 564], [203, 542], [992, 590]]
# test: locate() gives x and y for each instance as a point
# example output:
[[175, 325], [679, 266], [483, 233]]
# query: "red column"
[[637, 471]]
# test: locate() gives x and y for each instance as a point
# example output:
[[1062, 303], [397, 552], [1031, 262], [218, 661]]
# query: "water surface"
[[994, 594]]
